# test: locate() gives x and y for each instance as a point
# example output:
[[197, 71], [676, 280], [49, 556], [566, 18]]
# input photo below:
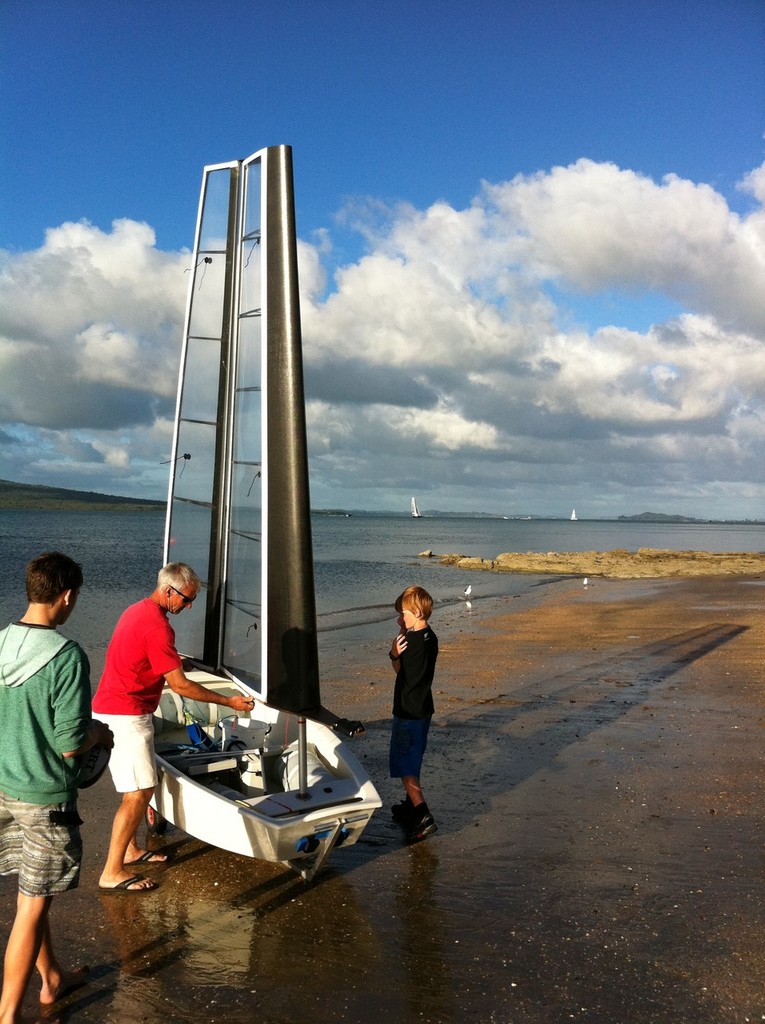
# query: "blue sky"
[[404, 118]]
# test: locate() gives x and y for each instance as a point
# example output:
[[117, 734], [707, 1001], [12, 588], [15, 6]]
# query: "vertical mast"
[[292, 662]]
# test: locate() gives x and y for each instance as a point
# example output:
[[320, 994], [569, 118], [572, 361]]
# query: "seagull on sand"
[[585, 581], [468, 591]]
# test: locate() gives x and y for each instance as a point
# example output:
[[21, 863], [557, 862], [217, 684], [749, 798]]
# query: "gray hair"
[[177, 574]]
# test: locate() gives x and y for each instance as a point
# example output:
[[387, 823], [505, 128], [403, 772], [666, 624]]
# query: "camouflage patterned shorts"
[[42, 843]]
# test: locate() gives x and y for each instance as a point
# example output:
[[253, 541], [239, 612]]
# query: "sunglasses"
[[183, 597]]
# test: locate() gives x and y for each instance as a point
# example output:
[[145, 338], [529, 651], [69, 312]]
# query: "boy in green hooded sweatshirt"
[[46, 719]]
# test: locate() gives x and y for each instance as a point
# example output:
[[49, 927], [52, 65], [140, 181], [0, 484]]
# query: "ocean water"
[[376, 555], [362, 562], [119, 553]]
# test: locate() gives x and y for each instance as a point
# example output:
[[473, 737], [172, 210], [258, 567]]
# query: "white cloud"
[[89, 328], [444, 428], [444, 360], [754, 182], [89, 345], [596, 226]]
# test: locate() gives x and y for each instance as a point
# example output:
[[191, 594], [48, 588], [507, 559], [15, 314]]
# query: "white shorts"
[[132, 762]]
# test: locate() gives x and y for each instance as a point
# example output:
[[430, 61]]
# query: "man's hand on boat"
[[185, 687], [241, 703]]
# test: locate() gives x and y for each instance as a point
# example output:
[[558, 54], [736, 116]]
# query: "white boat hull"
[[244, 797]]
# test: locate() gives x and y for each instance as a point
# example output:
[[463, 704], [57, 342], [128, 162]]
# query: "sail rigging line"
[[203, 259], [247, 535], [253, 247], [167, 462], [207, 260], [193, 501], [248, 607]]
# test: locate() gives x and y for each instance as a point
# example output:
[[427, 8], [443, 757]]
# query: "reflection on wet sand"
[[428, 981], [233, 937]]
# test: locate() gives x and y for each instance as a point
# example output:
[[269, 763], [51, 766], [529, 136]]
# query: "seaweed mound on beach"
[[641, 564]]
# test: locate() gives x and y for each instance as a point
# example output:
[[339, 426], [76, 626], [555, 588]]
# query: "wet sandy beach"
[[596, 768]]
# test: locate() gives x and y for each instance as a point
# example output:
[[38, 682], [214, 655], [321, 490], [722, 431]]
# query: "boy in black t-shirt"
[[413, 656]]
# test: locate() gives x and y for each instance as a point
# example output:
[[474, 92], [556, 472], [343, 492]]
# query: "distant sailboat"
[[573, 515], [416, 514]]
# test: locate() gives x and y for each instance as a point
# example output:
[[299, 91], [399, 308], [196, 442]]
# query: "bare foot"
[[69, 982], [145, 857], [126, 883]]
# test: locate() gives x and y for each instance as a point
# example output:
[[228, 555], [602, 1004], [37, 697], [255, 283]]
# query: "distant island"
[[37, 498], [662, 517], [659, 517]]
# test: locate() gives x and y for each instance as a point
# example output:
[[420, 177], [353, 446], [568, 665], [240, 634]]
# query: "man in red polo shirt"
[[140, 659]]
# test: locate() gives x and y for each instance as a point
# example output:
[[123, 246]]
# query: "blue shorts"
[[41, 843], [408, 740]]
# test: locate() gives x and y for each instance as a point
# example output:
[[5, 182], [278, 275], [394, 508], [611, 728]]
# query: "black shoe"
[[402, 812], [421, 828]]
